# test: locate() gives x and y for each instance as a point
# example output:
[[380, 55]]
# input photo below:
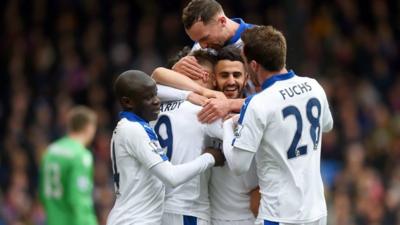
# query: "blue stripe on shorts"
[[189, 220]]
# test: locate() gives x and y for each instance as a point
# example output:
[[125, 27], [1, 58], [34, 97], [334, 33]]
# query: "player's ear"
[[246, 77], [213, 77], [222, 20], [127, 103], [254, 66]]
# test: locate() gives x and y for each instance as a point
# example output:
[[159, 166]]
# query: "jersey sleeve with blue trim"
[[147, 152], [250, 128]]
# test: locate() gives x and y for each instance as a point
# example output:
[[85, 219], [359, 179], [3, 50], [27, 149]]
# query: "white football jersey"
[[235, 40], [230, 194], [183, 138], [139, 194], [283, 126]]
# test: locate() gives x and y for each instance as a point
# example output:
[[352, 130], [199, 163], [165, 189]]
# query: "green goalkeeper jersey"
[[66, 184]]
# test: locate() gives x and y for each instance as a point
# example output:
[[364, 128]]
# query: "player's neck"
[[78, 137], [265, 74], [232, 27]]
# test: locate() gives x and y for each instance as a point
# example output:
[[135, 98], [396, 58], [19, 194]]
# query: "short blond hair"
[[79, 117]]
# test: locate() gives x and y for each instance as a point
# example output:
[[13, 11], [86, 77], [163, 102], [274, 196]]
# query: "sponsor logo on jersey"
[[156, 148]]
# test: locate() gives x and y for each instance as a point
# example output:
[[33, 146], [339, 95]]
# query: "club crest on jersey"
[[238, 130]]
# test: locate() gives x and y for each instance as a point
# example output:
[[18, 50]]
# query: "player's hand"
[[213, 110], [217, 154], [196, 99], [230, 115], [255, 198], [189, 66], [213, 94]]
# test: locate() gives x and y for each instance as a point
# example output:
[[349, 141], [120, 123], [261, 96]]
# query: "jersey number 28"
[[315, 128]]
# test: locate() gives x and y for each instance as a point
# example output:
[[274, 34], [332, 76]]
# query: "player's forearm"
[[174, 79], [174, 175], [236, 104], [166, 93], [239, 160]]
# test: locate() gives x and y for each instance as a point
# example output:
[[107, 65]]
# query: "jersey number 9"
[[165, 138]]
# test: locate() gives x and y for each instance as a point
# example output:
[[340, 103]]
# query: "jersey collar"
[[242, 27], [145, 124], [131, 117], [270, 81]]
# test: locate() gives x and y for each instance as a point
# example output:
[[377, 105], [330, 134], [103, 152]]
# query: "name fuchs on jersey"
[[168, 106], [297, 89]]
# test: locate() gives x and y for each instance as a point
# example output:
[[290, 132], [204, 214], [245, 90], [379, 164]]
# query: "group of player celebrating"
[[272, 148], [226, 136]]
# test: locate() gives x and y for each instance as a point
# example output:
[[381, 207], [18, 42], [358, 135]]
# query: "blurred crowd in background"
[[55, 54]]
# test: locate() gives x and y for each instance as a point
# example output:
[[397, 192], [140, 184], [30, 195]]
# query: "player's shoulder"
[[84, 159], [306, 78], [62, 148], [253, 104], [257, 100], [126, 128]]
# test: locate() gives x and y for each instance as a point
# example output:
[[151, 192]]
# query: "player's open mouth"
[[230, 89]]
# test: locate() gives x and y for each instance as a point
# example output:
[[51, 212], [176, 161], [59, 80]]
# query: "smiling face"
[[230, 78], [147, 104], [137, 93], [210, 35]]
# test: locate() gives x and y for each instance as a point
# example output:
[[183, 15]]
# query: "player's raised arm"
[[177, 80], [174, 79], [189, 66]]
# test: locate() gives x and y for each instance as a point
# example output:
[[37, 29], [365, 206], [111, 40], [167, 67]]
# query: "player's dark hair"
[[203, 56], [230, 53], [200, 10], [265, 45], [79, 117], [182, 53]]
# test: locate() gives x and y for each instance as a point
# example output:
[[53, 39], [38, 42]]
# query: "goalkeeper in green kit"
[[66, 173]]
